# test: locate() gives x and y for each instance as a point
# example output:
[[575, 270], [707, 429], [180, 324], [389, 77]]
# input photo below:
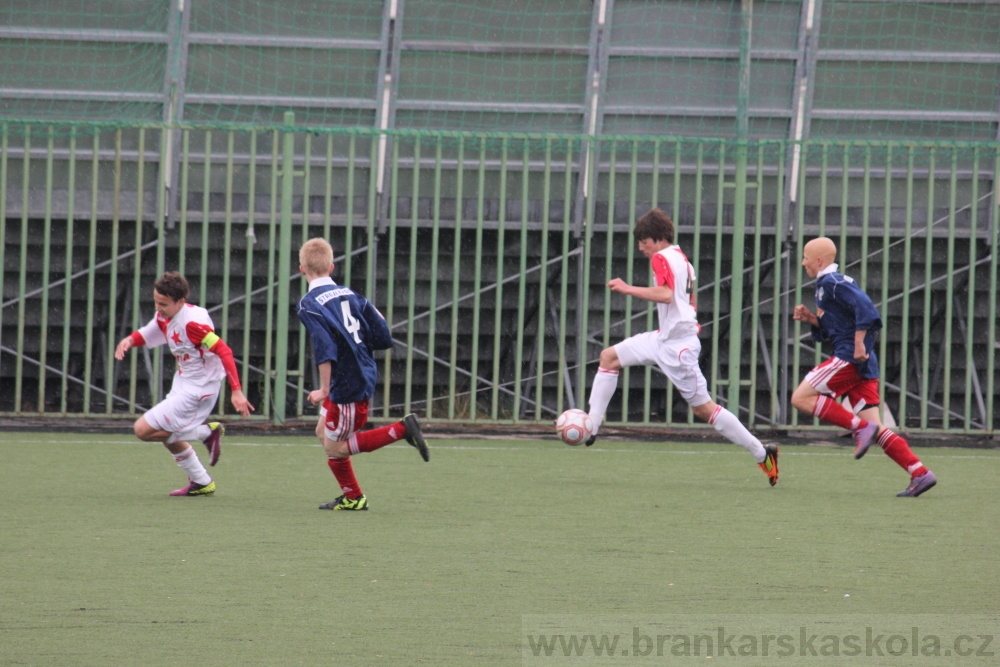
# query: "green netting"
[[917, 70], [930, 70], [96, 61]]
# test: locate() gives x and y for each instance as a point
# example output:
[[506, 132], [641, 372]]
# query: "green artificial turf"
[[460, 559]]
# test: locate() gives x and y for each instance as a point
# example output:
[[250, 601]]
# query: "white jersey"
[[184, 334], [678, 319]]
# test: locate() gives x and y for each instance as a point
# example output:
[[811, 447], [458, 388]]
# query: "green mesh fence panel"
[[777, 69], [96, 61], [504, 66], [249, 62], [914, 69]]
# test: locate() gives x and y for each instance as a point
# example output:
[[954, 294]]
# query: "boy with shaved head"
[[846, 317]]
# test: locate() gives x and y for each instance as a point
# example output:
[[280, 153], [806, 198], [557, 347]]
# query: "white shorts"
[[186, 406], [678, 359]]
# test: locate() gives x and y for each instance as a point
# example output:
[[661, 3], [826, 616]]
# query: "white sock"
[[605, 383], [197, 433], [189, 461], [726, 423]]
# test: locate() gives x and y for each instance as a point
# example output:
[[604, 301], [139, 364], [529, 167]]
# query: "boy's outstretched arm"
[[860, 353], [201, 335], [803, 314], [124, 345], [241, 403], [658, 294]]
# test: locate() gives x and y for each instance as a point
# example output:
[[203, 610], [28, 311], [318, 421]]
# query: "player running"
[[345, 329], [675, 347], [846, 317], [203, 360]]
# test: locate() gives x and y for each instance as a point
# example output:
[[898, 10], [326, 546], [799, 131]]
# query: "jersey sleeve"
[[852, 298], [151, 334], [218, 347], [379, 335], [661, 271], [324, 347], [200, 333], [197, 331], [866, 316]]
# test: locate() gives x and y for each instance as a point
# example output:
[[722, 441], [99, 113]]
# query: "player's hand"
[[317, 396], [241, 403], [123, 346], [618, 285], [860, 355], [803, 314]]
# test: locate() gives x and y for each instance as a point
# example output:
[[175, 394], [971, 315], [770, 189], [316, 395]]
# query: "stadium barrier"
[[489, 254]]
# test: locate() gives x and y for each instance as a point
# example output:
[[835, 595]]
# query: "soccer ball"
[[574, 426]]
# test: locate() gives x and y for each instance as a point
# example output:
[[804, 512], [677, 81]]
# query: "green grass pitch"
[[98, 566]]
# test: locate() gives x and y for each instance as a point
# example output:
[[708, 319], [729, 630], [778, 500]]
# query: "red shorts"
[[836, 377], [342, 420]]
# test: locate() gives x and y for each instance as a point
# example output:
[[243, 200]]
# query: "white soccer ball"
[[574, 426]]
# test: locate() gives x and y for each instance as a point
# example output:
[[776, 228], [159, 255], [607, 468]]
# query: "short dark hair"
[[173, 285], [656, 225]]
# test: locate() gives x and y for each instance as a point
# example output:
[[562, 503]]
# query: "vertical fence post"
[[284, 267], [739, 213], [991, 319]]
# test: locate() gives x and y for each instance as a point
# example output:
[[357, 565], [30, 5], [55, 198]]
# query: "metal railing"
[[489, 266]]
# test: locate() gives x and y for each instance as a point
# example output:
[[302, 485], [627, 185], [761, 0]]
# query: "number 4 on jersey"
[[350, 323]]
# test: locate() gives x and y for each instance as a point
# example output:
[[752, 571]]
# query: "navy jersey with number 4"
[[345, 329], [843, 308]]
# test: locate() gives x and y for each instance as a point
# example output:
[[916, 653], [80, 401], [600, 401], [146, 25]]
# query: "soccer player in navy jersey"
[[203, 360], [346, 329], [846, 317], [674, 348]]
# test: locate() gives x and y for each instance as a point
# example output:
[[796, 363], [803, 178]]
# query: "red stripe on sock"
[[715, 414], [185, 455]]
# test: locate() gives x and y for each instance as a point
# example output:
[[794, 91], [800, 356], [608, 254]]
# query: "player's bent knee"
[[609, 359], [803, 399], [704, 411], [142, 430], [336, 449]]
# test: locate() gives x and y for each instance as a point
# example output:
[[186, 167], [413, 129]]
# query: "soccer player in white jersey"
[[674, 347], [203, 360]]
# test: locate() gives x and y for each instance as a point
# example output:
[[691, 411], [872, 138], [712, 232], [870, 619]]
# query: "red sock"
[[833, 412], [897, 449], [368, 441], [343, 470]]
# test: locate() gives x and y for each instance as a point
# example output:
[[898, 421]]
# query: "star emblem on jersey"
[[176, 337]]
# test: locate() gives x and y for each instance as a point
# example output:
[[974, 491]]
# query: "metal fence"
[[489, 255]]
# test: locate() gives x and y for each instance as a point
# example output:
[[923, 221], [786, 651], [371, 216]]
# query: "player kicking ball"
[[675, 347], [846, 317], [345, 328], [203, 360]]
